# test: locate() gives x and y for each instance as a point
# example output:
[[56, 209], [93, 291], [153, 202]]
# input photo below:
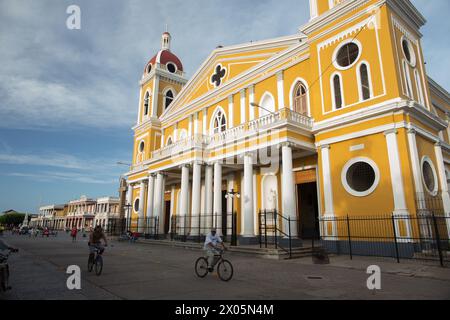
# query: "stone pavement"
[[144, 271]]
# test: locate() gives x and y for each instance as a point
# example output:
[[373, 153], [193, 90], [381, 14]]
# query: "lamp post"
[[231, 195], [258, 106]]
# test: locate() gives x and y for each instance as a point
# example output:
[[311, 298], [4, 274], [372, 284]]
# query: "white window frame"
[[339, 47], [173, 64], [435, 177], [211, 123], [358, 76], [146, 115], [292, 91], [333, 94], [348, 188], [407, 76], [413, 61], [421, 97], [134, 205]]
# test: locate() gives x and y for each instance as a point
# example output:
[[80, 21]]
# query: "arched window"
[[419, 87], [220, 122], [168, 98], [267, 104], [300, 99], [169, 141], [337, 92], [146, 103], [364, 82], [407, 79]]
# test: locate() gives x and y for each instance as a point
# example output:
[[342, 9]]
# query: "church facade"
[[339, 119]]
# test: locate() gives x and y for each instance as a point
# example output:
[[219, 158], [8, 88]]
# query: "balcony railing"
[[266, 122]]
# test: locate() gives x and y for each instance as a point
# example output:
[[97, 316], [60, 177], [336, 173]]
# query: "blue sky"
[[69, 98]]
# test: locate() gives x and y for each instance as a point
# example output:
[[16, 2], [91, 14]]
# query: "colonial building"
[[51, 216], [81, 213], [338, 119], [107, 208]]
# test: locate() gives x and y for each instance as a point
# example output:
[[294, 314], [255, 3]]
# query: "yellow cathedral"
[[337, 120]]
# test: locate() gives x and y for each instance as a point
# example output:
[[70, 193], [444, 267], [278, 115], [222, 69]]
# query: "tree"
[[12, 218]]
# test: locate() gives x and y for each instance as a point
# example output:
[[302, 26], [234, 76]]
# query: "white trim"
[[339, 47], [433, 192], [419, 88], [348, 188], [327, 183], [243, 106], [291, 93], [358, 76], [407, 76], [231, 111], [333, 93], [171, 63], [134, 204], [251, 99], [280, 89], [313, 11]]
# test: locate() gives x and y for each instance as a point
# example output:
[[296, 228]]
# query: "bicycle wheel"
[[90, 262], [225, 270], [201, 267], [98, 265]]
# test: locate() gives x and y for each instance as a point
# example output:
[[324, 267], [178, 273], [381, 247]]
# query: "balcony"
[[271, 121]]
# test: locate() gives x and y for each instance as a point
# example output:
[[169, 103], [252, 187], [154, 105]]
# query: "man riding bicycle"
[[213, 245], [95, 241]]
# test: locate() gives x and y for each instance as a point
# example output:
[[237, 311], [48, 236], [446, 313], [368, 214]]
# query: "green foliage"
[[12, 218]]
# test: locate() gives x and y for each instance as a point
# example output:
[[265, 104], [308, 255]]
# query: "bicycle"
[[224, 267], [95, 259]]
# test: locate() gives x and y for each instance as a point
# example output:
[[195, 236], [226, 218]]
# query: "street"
[[146, 271]]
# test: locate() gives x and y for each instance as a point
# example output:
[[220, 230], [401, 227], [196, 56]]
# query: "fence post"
[[290, 242], [395, 238], [275, 215], [349, 239], [260, 228], [438, 240], [233, 229]]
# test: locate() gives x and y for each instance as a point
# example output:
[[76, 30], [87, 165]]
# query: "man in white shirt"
[[213, 244]]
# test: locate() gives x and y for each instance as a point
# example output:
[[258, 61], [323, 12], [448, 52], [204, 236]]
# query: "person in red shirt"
[[73, 233]]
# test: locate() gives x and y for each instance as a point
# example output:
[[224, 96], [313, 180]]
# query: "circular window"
[[408, 52], [429, 176], [347, 55], [360, 177], [136, 205], [141, 146], [171, 67], [149, 68]]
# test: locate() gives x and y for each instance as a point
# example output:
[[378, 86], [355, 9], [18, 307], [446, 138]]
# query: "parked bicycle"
[[224, 267], [96, 260]]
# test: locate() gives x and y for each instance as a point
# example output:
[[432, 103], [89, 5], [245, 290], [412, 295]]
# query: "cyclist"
[[95, 241], [213, 245]]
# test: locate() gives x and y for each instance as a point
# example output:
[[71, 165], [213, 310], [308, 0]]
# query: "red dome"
[[164, 57]]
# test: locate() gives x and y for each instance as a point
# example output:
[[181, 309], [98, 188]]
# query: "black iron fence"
[[424, 236], [196, 227], [144, 227]]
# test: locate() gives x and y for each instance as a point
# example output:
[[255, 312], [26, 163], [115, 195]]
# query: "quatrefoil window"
[[218, 75]]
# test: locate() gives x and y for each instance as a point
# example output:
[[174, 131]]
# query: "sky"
[[68, 98]]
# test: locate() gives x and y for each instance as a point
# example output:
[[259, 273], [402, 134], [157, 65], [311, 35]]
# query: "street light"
[[258, 106], [232, 194]]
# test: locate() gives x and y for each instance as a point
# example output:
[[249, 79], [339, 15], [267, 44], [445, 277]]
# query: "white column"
[[415, 164], [172, 204], [190, 126], [400, 207], [218, 196], [230, 112], [196, 123], [243, 106], [163, 205], [196, 197], [444, 186], [327, 193], [280, 89], [248, 228], [204, 124], [162, 138], [141, 207], [208, 195], [184, 197], [288, 192], [157, 196], [251, 99], [129, 200], [150, 196], [155, 96]]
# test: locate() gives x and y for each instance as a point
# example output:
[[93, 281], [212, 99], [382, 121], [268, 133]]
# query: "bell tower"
[[319, 7]]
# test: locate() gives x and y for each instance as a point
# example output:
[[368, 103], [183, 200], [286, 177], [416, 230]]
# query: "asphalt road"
[[142, 271]]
